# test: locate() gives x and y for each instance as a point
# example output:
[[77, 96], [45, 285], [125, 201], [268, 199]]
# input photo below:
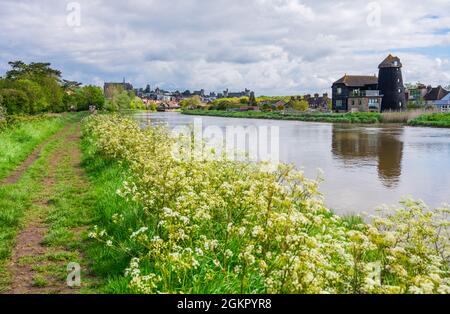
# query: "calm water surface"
[[364, 166]]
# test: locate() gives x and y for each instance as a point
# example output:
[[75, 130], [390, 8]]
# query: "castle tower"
[[390, 84]]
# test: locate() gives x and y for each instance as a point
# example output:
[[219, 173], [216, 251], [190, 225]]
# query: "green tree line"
[[37, 88]]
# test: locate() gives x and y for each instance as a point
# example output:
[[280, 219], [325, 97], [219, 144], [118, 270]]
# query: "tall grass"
[[401, 117]]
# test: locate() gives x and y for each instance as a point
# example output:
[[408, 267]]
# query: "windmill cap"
[[391, 62]]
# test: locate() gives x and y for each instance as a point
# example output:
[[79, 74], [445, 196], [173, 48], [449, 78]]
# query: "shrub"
[[435, 120], [3, 121], [219, 226]]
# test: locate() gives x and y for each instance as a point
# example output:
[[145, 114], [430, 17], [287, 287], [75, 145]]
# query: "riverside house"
[[435, 96], [444, 104], [356, 93]]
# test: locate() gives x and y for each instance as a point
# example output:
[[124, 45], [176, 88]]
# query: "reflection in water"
[[360, 146], [365, 167]]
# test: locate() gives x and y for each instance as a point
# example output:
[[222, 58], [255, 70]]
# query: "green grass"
[[19, 140], [359, 117], [441, 120], [15, 200], [106, 176], [20, 202]]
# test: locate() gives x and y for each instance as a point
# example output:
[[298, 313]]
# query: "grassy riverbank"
[[165, 225], [413, 118], [366, 118], [138, 220], [441, 120]]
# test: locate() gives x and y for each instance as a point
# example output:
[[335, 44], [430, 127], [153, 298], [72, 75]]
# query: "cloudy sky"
[[270, 46]]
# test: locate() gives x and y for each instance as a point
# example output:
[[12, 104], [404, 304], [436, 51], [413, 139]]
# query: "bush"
[[219, 226], [435, 120], [3, 121], [15, 101]]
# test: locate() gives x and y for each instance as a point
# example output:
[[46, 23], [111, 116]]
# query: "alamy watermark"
[[74, 275], [374, 16], [233, 142], [73, 17]]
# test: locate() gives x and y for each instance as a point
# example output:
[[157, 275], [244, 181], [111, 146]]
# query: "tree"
[[122, 100], [92, 96], [15, 101], [152, 106], [137, 104], [2, 114], [70, 87], [300, 105], [193, 102], [37, 101], [252, 101], [53, 93], [110, 105], [21, 70]]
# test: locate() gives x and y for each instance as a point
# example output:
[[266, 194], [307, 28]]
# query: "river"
[[364, 166]]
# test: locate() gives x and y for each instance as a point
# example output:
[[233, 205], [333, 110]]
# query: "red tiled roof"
[[357, 80]]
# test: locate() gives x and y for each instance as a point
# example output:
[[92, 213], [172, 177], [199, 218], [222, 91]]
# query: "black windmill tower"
[[390, 84]]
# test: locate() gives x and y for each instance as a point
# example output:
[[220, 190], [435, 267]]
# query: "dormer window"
[[339, 91]]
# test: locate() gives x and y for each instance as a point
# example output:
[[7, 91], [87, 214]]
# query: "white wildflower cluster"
[[231, 227]]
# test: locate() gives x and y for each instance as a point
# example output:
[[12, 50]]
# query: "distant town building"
[[443, 104], [435, 95], [318, 102], [416, 93], [110, 88], [356, 93], [227, 94]]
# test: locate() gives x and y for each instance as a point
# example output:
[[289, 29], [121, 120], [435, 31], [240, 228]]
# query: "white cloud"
[[271, 46]]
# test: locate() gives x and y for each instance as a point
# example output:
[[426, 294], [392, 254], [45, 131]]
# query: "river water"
[[364, 166]]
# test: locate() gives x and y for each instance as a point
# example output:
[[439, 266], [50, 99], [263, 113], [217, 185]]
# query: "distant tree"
[[281, 107], [244, 100], [110, 105], [2, 114], [15, 101], [37, 101], [137, 104], [194, 102], [300, 105], [92, 96], [252, 100], [70, 87], [330, 104], [20, 70], [123, 100], [152, 106]]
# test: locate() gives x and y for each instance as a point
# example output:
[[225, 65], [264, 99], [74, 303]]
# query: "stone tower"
[[390, 84]]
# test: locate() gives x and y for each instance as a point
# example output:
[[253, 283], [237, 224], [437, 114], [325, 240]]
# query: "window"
[[399, 90], [339, 91], [338, 103], [395, 63]]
